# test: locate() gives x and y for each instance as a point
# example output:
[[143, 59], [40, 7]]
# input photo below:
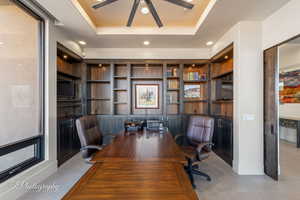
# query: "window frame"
[[39, 140]]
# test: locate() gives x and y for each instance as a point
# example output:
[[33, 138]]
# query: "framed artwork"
[[192, 91], [147, 96], [289, 86]]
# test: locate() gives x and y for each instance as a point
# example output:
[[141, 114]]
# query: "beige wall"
[[248, 101]]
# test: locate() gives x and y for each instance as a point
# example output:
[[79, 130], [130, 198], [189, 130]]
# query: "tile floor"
[[225, 184]]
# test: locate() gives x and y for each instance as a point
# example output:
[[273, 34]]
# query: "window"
[[21, 86]]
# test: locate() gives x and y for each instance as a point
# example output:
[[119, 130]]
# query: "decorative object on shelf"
[[155, 125], [192, 91], [150, 6], [290, 87], [133, 125], [147, 96]]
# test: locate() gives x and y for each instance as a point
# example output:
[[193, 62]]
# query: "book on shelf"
[[173, 84], [172, 97], [172, 72], [195, 76]]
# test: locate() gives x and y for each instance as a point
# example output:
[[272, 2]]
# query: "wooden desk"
[[139, 166], [141, 146], [133, 181]]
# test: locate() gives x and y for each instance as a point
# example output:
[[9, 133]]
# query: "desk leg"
[[298, 134]]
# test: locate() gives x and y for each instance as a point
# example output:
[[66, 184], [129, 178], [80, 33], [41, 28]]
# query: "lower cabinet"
[[223, 139], [68, 143]]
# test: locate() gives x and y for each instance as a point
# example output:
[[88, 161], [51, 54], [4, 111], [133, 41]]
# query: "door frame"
[[276, 74]]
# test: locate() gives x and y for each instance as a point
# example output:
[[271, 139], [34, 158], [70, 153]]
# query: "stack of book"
[[172, 72], [173, 84], [172, 97], [195, 76]]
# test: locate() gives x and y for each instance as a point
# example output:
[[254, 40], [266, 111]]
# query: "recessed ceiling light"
[[226, 57], [65, 56], [144, 10], [1, 43], [82, 42], [99, 0], [189, 1], [146, 43], [209, 43]]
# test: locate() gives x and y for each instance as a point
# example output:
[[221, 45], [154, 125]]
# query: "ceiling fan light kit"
[[150, 6]]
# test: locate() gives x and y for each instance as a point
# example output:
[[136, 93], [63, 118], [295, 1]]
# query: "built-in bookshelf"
[[222, 83], [195, 88], [111, 87], [99, 89]]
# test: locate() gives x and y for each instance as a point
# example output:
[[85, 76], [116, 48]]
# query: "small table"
[[291, 122]]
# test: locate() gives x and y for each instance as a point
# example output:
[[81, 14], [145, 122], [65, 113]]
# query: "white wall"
[[147, 53], [248, 96], [46, 168], [282, 25]]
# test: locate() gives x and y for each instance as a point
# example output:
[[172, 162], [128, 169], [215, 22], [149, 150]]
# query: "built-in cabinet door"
[[271, 100]]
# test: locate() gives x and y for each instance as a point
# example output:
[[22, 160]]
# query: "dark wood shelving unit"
[[68, 75], [69, 102], [222, 103]]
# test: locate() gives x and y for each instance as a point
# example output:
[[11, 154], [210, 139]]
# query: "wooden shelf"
[[195, 81], [120, 89], [68, 75], [173, 89], [222, 75], [120, 77], [223, 101], [68, 100], [173, 77], [173, 103], [191, 101], [147, 78], [120, 102], [98, 81], [98, 99]]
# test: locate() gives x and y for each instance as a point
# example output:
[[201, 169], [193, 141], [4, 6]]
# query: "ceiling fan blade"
[[154, 13], [104, 3], [133, 11], [181, 3]]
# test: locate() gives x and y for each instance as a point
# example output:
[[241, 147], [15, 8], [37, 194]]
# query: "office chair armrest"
[[203, 145], [177, 137], [91, 147]]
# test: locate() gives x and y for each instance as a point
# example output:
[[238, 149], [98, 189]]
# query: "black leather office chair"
[[90, 136], [199, 143]]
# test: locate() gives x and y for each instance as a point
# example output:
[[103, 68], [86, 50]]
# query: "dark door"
[[271, 112]]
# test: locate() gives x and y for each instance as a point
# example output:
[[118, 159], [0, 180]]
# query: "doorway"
[[282, 110]]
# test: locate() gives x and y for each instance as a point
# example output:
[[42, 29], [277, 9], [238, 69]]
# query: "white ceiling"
[[223, 15]]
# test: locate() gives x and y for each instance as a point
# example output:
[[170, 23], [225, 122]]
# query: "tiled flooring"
[[225, 185]]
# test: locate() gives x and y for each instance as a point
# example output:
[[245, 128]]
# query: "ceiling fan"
[[150, 6]]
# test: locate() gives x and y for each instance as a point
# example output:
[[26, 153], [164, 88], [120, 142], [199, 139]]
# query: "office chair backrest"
[[200, 130], [89, 134]]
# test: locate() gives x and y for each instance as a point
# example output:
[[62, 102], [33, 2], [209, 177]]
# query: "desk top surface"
[[141, 146], [133, 181]]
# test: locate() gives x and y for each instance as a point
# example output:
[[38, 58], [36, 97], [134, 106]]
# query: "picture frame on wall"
[[192, 91], [147, 96]]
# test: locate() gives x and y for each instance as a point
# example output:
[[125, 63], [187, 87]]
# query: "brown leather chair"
[[90, 136], [199, 143]]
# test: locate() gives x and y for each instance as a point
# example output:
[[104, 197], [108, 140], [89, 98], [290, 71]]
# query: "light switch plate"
[[248, 117]]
